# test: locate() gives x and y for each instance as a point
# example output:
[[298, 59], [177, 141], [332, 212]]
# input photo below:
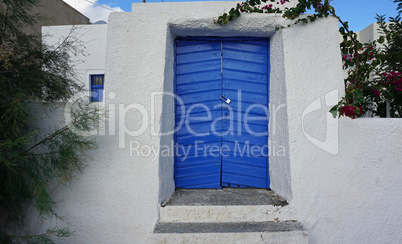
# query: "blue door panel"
[[247, 138], [247, 47], [200, 97], [252, 97], [196, 46], [198, 75], [216, 142], [254, 58], [198, 170], [243, 169], [210, 65], [197, 87], [191, 140], [202, 77], [200, 159], [247, 63], [244, 180], [248, 115], [205, 107], [199, 57], [251, 109], [193, 153], [238, 128], [243, 153], [241, 86], [241, 76], [244, 66], [198, 116], [211, 181], [196, 129]]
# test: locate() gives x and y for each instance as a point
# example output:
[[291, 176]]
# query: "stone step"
[[227, 205], [224, 197], [244, 213], [241, 232]]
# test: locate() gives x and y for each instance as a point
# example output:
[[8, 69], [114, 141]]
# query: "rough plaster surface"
[[353, 196], [90, 45], [293, 237]]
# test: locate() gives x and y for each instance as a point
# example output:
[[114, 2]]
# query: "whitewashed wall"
[[90, 44], [341, 177], [369, 34]]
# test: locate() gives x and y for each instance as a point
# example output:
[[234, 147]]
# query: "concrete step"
[[224, 197], [227, 205], [243, 213], [227, 216], [244, 232]]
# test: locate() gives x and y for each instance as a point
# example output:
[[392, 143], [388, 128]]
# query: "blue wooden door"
[[221, 113]]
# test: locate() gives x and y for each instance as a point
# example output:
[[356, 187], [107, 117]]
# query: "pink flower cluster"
[[267, 6], [350, 111], [348, 57], [395, 79], [318, 6], [376, 93], [371, 53], [366, 53]]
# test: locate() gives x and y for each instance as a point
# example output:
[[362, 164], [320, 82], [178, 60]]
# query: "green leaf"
[[381, 39], [334, 111], [42, 199]]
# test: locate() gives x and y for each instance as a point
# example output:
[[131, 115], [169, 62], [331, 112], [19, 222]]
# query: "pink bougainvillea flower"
[[267, 6], [318, 6], [350, 111], [376, 93]]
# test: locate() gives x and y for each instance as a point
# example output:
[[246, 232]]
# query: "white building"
[[340, 177]]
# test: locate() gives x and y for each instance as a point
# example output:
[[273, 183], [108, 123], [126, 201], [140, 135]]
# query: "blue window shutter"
[[97, 86]]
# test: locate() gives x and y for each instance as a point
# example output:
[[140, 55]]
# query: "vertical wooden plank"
[[198, 87], [245, 79]]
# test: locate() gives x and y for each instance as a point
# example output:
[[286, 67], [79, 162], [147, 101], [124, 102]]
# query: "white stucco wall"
[[369, 34], [89, 56], [348, 193]]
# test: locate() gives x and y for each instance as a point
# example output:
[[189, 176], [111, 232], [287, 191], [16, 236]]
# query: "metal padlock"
[[225, 99]]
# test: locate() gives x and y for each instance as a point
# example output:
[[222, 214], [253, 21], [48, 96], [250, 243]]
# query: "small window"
[[97, 82]]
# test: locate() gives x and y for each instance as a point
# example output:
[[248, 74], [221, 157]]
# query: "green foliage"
[[374, 69], [374, 72], [399, 8], [32, 78]]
